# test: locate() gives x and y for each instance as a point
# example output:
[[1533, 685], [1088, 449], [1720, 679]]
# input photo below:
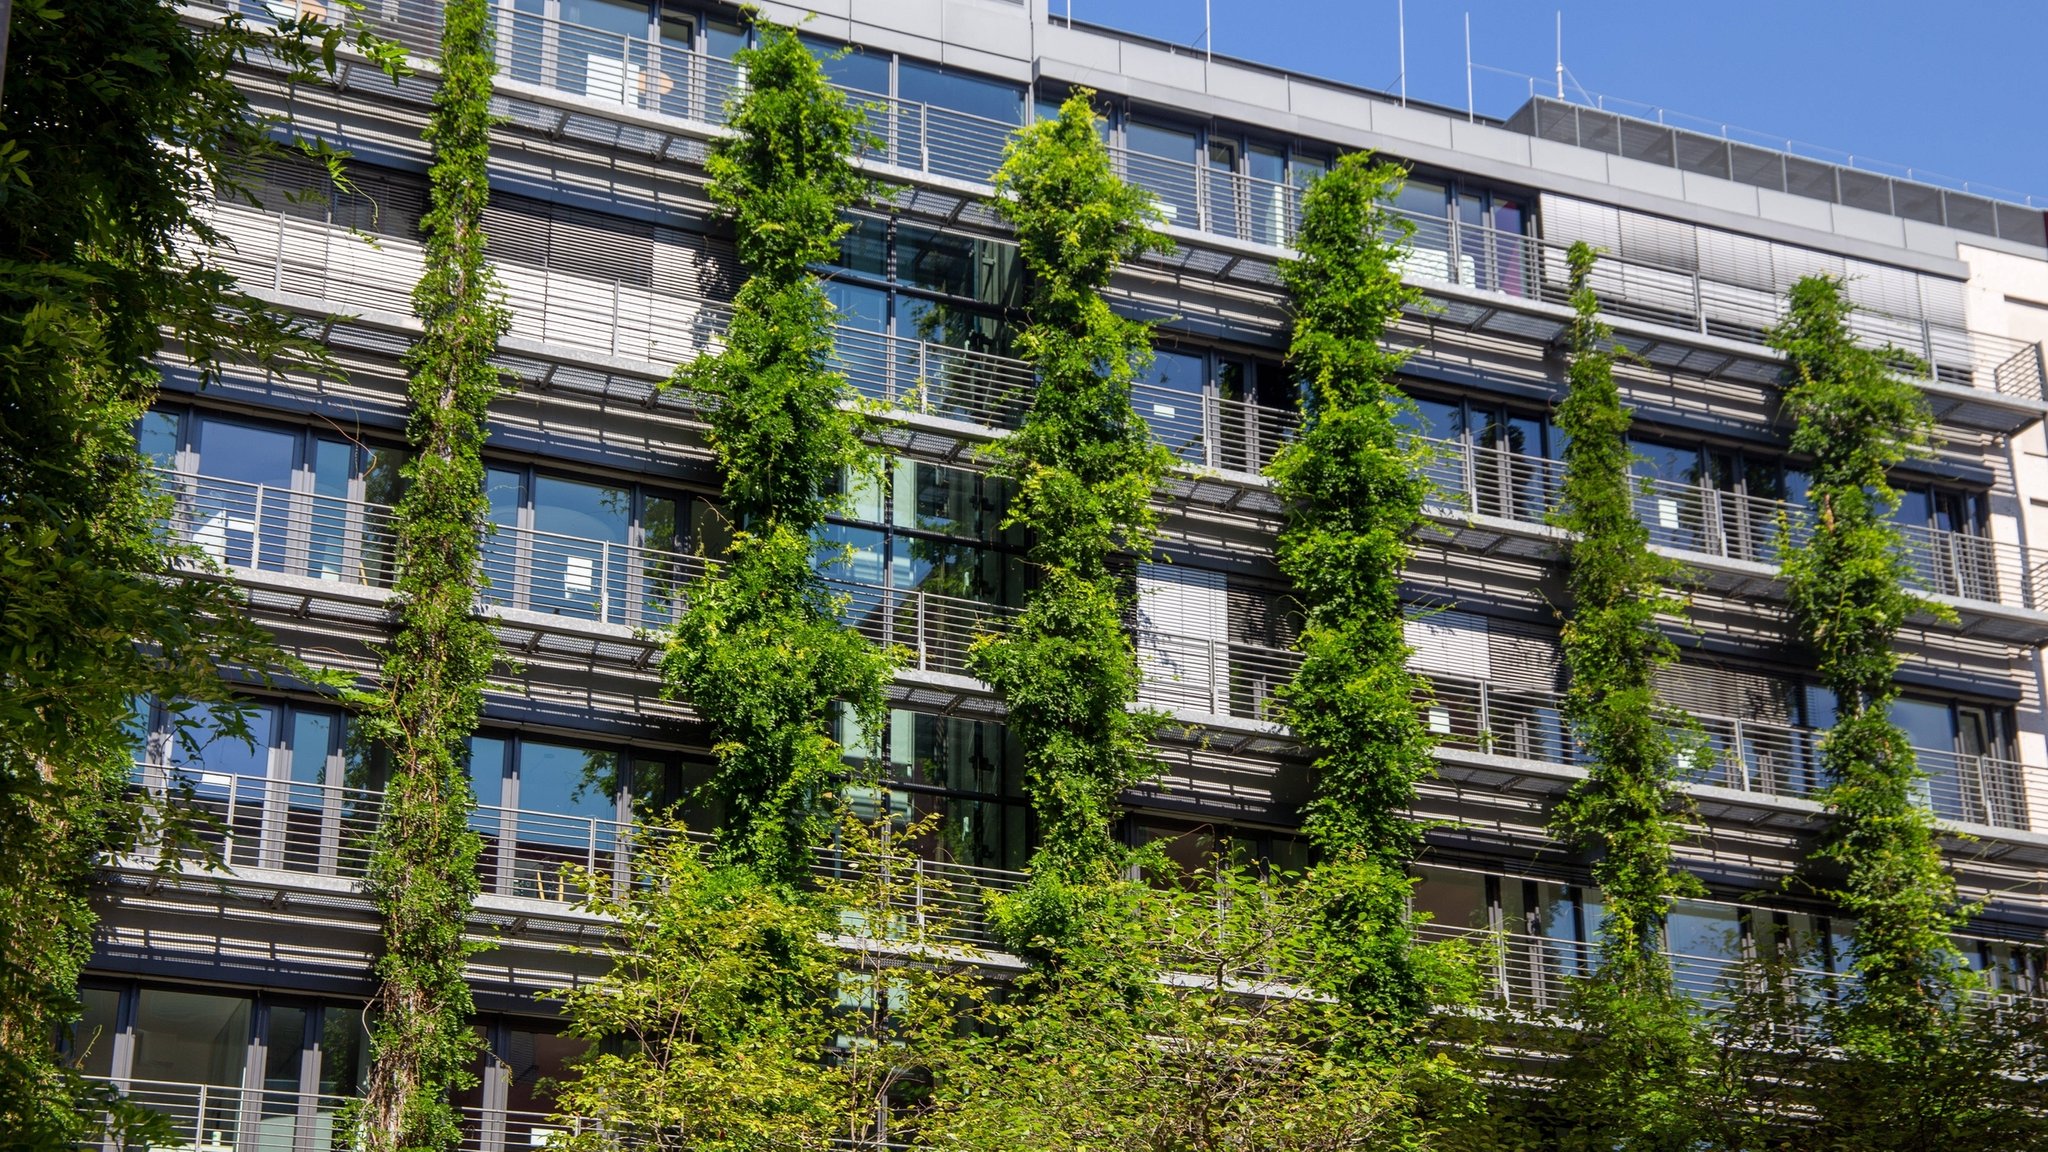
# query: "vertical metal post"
[[1215, 687], [1401, 20], [922, 647], [1471, 116], [924, 138], [604, 581], [1560, 54]]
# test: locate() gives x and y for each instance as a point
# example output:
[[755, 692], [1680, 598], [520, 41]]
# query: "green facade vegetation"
[[743, 1003]]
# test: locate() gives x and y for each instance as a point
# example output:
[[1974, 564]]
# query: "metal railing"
[[1481, 480], [246, 822], [258, 528], [232, 1118], [1203, 429]]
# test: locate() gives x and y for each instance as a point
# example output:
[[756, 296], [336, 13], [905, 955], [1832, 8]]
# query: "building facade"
[[233, 999]]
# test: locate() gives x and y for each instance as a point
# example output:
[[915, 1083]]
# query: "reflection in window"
[[188, 1037], [966, 769]]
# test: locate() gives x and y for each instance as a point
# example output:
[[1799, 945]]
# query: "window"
[[274, 498], [925, 528], [921, 315], [1499, 461], [277, 1070], [545, 805], [619, 51], [970, 771], [1469, 234], [1197, 847], [287, 784], [1215, 409], [615, 552], [1946, 545]]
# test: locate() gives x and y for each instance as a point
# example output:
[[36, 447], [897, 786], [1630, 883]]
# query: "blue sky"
[[1958, 88]]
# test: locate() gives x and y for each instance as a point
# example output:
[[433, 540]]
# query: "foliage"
[[764, 656], [761, 652], [1353, 484], [729, 1018], [120, 125], [1085, 468], [423, 867], [1627, 1078], [1235, 1050], [1918, 1065]]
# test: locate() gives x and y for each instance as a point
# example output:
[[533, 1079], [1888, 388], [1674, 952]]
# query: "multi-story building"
[[235, 997]]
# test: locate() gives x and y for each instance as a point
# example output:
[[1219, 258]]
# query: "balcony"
[[962, 394], [255, 530], [563, 77]]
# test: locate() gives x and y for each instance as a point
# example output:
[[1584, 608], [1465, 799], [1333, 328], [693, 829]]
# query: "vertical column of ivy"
[[423, 870], [761, 653], [1085, 468], [1903, 1079], [1353, 484], [1625, 1083]]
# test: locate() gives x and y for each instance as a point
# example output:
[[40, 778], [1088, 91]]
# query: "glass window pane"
[[284, 1045], [1162, 162], [954, 123], [724, 38], [587, 511], [157, 438], [603, 51], [241, 517], [210, 749], [566, 780], [89, 1043], [572, 571], [862, 69], [530, 1060], [312, 743], [990, 99], [343, 1044], [188, 1037], [1454, 901], [1169, 394]]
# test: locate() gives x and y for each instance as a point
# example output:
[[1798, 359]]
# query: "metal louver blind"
[[1449, 643], [1262, 618], [1524, 656], [382, 202], [1712, 690]]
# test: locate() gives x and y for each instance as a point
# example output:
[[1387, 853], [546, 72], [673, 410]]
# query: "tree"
[[120, 125], [1084, 469], [1353, 484], [1919, 1061], [761, 652], [736, 1015], [1633, 1050], [423, 866], [1192, 1015]]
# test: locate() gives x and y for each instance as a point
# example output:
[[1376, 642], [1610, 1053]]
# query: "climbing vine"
[[1085, 468], [423, 867], [1626, 1080], [1914, 1070], [1353, 483], [760, 652]]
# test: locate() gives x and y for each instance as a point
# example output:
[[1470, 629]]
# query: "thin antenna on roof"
[[1401, 16], [1560, 51], [1208, 35], [1470, 117]]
